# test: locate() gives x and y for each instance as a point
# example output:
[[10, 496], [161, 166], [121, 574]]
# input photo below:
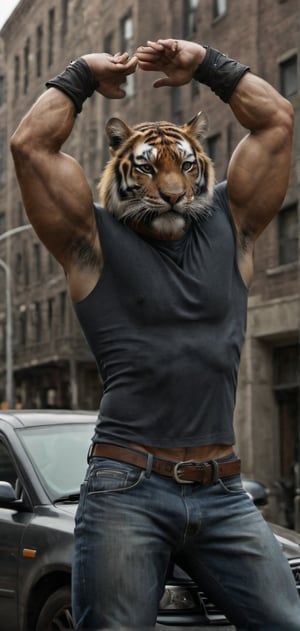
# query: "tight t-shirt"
[[166, 323]]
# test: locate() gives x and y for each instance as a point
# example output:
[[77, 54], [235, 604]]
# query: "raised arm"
[[259, 168], [56, 194]]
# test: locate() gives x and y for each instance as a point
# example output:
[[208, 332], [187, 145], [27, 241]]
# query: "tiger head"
[[159, 178]]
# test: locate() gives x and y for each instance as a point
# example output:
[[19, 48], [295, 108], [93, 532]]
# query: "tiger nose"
[[172, 198]]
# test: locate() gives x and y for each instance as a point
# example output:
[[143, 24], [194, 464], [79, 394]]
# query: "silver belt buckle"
[[177, 473]]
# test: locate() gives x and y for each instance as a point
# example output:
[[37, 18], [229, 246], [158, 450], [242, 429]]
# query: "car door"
[[12, 526]]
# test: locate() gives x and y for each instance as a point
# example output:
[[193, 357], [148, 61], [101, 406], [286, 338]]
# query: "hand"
[[110, 72], [177, 58]]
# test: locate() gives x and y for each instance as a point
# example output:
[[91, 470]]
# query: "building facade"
[[51, 364]]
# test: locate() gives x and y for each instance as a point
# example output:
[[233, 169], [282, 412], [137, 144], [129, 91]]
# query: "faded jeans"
[[130, 523]]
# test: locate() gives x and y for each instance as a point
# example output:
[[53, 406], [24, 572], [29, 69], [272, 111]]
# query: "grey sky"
[[6, 8]]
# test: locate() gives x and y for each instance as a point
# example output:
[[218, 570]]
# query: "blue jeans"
[[130, 523]]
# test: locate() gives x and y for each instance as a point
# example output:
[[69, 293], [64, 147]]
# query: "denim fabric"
[[131, 523]]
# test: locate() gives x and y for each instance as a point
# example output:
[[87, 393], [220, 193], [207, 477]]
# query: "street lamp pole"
[[9, 318], [9, 377]]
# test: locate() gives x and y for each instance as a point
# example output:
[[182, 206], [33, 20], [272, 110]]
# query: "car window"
[[7, 469], [59, 455]]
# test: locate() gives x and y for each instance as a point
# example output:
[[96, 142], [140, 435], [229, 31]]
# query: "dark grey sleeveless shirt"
[[166, 322]]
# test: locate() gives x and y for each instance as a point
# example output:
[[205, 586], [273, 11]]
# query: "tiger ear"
[[197, 126], [117, 132]]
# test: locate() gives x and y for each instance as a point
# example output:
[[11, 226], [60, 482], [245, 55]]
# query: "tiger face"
[[159, 178]]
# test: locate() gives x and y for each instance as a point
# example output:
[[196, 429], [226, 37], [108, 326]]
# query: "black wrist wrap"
[[220, 73], [76, 81]]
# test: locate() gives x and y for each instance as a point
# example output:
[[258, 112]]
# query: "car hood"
[[288, 539], [66, 507]]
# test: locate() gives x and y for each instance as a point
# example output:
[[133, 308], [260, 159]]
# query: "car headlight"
[[295, 567], [176, 597]]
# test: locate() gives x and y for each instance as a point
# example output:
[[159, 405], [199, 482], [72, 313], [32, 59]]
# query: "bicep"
[[57, 200], [258, 175]]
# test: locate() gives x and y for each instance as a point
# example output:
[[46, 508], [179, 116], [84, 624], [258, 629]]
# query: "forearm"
[[255, 103], [50, 121], [258, 106]]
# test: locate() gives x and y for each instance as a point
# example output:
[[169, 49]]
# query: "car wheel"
[[56, 614]]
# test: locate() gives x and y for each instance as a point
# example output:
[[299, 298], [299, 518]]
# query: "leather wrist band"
[[220, 73], [76, 81]]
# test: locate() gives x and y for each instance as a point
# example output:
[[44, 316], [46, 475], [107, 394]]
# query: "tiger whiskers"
[[139, 213], [139, 216]]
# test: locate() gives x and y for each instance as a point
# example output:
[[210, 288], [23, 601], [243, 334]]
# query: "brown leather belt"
[[187, 471]]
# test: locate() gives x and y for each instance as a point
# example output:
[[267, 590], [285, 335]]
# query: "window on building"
[[127, 44], [38, 321], [23, 325], [39, 50], [26, 56], [176, 105], [190, 8], [50, 263], [20, 213], [108, 43], [51, 25], [219, 8], [286, 385], [26, 265], [16, 76], [64, 21], [195, 89], [213, 145], [2, 90], [286, 366], [288, 76], [288, 231], [3, 156], [50, 313], [62, 309], [37, 260], [2, 222], [18, 267], [92, 151]]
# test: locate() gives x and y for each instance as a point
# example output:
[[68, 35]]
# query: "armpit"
[[85, 255], [245, 251]]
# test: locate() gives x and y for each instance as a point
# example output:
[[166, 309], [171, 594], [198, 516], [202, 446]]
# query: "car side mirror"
[[257, 491], [9, 498], [7, 492]]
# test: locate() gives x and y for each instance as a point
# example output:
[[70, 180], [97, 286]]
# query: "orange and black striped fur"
[[159, 175]]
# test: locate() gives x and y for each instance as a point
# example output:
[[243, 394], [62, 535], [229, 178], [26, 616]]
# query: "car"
[[42, 464]]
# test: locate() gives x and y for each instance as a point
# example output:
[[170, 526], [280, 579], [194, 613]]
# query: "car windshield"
[[59, 455]]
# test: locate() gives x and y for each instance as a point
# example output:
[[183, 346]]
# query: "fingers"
[[118, 94], [124, 64], [169, 44], [160, 83], [146, 55], [120, 57], [154, 46], [160, 55]]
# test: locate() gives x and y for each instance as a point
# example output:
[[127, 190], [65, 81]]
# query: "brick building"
[[51, 362]]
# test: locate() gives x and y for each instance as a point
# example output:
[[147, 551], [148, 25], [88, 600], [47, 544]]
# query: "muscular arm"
[[55, 192], [56, 195], [258, 171]]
